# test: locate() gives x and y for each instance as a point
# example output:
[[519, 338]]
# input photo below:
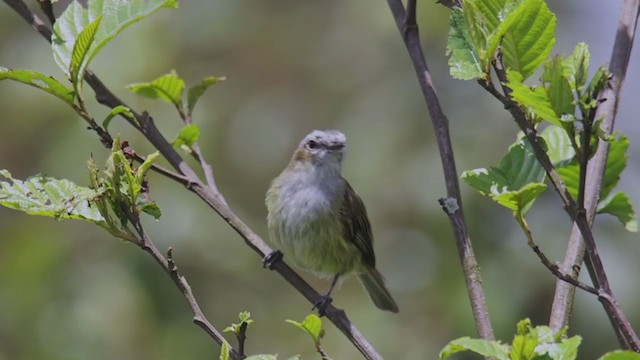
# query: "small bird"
[[318, 221]]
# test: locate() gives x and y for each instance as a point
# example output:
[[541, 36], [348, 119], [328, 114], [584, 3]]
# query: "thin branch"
[[145, 124], [406, 25], [555, 270], [169, 266], [607, 110], [616, 316], [577, 214]]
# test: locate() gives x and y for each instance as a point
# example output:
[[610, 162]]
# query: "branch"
[[406, 24], [187, 176], [563, 299], [554, 268], [578, 215], [169, 266]]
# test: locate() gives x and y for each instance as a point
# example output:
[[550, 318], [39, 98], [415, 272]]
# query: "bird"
[[319, 223]]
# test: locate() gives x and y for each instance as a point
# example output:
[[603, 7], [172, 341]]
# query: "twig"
[[564, 295], [144, 123], [578, 215], [555, 270], [406, 25], [242, 337]]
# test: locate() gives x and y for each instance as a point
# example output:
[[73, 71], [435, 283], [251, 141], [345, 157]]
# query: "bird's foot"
[[321, 304], [271, 259]]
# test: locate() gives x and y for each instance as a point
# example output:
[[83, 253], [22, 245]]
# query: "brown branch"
[[554, 268], [577, 214], [563, 299], [144, 123], [406, 24]]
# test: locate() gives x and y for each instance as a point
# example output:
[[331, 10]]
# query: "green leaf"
[[520, 200], [522, 347], [224, 351], [262, 357], [567, 349], [312, 325], [40, 81], [116, 16], [195, 92], [530, 38], [515, 183], [168, 87], [559, 89], [535, 98], [559, 146], [46, 196], [482, 347], [620, 206], [620, 355], [120, 109], [596, 84], [464, 61], [142, 170], [616, 163], [188, 135], [570, 175], [151, 208], [80, 51], [578, 68], [245, 318]]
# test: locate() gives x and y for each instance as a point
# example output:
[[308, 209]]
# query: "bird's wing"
[[355, 222]]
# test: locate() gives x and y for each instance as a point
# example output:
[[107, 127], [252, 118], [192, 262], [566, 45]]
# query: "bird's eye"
[[312, 144]]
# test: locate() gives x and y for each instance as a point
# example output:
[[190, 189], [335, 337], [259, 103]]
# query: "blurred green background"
[[70, 291]]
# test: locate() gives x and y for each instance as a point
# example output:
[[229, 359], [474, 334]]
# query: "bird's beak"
[[336, 147]]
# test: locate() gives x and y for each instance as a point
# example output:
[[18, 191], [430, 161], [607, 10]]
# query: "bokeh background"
[[70, 291]]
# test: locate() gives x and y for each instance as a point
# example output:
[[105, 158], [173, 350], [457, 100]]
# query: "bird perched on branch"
[[319, 222]]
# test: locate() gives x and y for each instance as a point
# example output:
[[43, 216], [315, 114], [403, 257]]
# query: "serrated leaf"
[[189, 135], [620, 206], [530, 38], [535, 98], [120, 109], [245, 317], [558, 143], [117, 15], [195, 92], [224, 351], [558, 88], [596, 84], [464, 62], [142, 170], [522, 347], [168, 87], [579, 66], [482, 347], [616, 163], [620, 355], [520, 200], [46, 196], [515, 183], [150, 208], [312, 325], [40, 81], [567, 349], [80, 51]]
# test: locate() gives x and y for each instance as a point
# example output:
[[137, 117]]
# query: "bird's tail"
[[374, 284]]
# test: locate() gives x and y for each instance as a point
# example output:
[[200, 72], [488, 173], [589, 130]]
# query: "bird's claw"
[[321, 304], [271, 259]]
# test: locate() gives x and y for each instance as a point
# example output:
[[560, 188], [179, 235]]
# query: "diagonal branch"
[[214, 199], [607, 110], [406, 23]]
